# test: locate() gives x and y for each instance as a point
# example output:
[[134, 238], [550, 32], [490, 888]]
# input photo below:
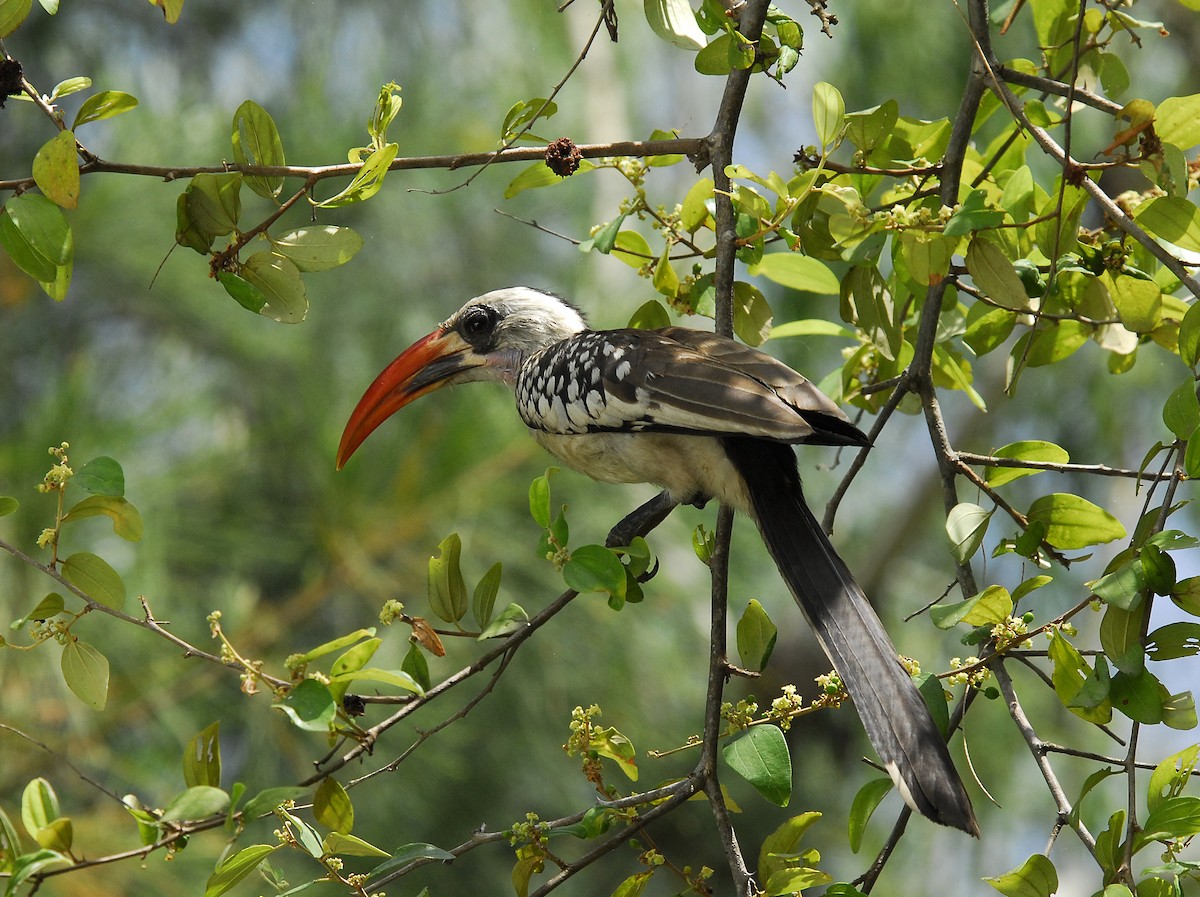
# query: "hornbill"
[[705, 418]]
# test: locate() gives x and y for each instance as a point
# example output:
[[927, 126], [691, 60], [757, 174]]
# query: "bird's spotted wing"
[[673, 380]]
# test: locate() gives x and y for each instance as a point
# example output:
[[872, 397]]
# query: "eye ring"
[[478, 323]]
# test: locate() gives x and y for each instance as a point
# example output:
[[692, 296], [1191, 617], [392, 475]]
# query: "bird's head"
[[486, 339]]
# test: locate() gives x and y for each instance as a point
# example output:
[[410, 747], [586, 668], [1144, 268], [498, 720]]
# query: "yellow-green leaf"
[[332, 807], [105, 104], [1072, 522], [1025, 450], [56, 170], [127, 522], [85, 671], [95, 578], [797, 272]]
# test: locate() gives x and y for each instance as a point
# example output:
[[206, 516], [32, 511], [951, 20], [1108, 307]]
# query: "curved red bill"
[[426, 365]]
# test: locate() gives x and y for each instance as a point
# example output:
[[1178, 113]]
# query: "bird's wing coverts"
[[677, 380]]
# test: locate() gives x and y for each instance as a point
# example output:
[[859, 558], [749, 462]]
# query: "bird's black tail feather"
[[893, 713]]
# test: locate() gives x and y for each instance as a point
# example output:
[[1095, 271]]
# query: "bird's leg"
[[641, 520]]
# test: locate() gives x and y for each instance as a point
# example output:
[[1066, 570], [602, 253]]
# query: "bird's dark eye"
[[478, 323]]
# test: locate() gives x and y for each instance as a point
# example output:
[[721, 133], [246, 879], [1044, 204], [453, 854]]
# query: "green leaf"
[[1189, 335], [337, 644], [797, 272], [751, 314], [318, 248], [57, 836], [714, 58], [342, 844], [1173, 641], [926, 255], [761, 757], [1076, 685], [102, 105], [1179, 711], [1123, 587], [1177, 121], [973, 214], [866, 800], [447, 589], [256, 142], [202, 757], [406, 854], [332, 807], [278, 279], [483, 599], [48, 607], [56, 170], [101, 476], [633, 885], [966, 525], [39, 806], [1025, 450], [367, 181], [991, 606], [796, 879], [188, 233], [1176, 817], [8, 505], [213, 203], [1120, 633], [674, 22], [1186, 595], [1036, 877], [268, 799], [781, 846], [538, 174], [398, 678], [1171, 776], [650, 315], [1072, 522], [95, 578], [631, 248], [694, 211], [594, 568], [12, 14], [197, 802], [1181, 413], [506, 622], [29, 864], [1139, 302], [995, 275], [810, 327], [987, 327], [1140, 697], [1030, 585], [416, 666], [127, 522], [612, 744], [539, 498], [1174, 219], [35, 234], [353, 660], [305, 834], [756, 636], [522, 114], [310, 706], [233, 869], [829, 113]]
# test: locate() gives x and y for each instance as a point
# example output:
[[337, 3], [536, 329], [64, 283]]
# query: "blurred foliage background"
[[227, 424]]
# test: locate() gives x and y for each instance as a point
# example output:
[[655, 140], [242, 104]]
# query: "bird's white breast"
[[686, 466]]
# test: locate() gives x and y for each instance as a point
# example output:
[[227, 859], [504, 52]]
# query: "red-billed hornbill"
[[703, 417]]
